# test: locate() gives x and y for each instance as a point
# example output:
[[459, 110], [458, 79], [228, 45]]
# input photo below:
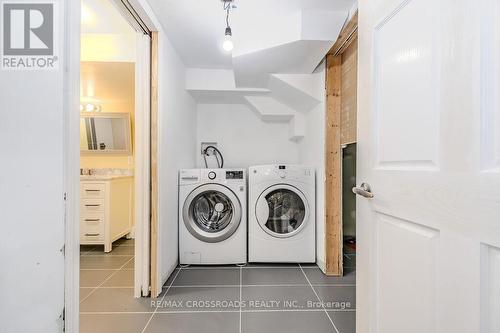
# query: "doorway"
[[341, 157], [117, 113]]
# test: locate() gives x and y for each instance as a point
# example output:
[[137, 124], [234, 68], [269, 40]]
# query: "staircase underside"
[[276, 78]]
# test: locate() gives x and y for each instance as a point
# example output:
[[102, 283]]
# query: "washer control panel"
[[234, 174]]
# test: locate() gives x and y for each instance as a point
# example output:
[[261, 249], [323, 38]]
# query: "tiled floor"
[[256, 298]]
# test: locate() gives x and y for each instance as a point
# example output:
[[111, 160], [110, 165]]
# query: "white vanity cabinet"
[[106, 210]]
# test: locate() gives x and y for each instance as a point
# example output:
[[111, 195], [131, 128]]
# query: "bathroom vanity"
[[106, 212]]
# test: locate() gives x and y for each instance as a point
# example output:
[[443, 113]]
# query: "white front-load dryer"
[[281, 217], [212, 216]]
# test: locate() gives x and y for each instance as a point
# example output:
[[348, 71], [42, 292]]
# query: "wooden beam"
[[333, 161], [155, 285], [349, 93], [346, 36]]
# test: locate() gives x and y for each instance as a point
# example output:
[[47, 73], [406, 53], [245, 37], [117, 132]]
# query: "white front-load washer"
[[212, 216], [281, 217]]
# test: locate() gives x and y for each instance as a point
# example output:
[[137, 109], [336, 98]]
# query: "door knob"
[[364, 190]]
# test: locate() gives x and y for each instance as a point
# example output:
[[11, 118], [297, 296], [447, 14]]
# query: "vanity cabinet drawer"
[[91, 190], [90, 206], [92, 227]]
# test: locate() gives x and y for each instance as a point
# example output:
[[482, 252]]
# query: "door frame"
[[333, 149], [71, 121]]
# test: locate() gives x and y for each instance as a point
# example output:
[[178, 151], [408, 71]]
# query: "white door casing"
[[142, 165], [429, 146]]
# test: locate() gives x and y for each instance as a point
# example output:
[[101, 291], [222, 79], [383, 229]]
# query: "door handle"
[[364, 190]]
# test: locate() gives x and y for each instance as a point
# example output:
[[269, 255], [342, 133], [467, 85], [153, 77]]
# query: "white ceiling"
[[196, 27], [101, 17]]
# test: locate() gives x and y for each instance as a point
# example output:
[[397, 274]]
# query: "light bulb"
[[228, 44], [228, 40]]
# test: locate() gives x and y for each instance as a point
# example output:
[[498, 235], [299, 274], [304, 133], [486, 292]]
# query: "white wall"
[[312, 152], [177, 146], [31, 197], [242, 137]]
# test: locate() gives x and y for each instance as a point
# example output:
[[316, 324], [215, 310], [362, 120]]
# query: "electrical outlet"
[[204, 146]]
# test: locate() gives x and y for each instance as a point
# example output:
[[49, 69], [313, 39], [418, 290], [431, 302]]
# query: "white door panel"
[[398, 64], [429, 146], [490, 122], [408, 281]]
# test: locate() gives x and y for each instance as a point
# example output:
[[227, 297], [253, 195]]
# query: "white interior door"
[[429, 147]]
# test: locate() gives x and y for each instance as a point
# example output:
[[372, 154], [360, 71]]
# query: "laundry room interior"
[[247, 166], [246, 194]]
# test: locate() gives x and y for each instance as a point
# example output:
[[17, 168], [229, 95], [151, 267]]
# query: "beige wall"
[[112, 85]]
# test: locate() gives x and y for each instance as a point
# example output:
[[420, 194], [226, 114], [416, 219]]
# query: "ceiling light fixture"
[[228, 44]]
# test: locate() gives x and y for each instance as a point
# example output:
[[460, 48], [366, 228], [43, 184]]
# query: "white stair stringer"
[[298, 57], [309, 36], [297, 127], [216, 86], [270, 110], [298, 91]]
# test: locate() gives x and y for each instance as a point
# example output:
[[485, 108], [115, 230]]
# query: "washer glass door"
[[282, 210], [212, 213]]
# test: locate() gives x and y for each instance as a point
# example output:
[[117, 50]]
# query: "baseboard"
[[321, 264]]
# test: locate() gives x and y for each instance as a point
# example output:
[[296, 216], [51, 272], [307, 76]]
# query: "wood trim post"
[[155, 288], [333, 167], [346, 36]]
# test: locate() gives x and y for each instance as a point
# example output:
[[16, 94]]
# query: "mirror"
[[105, 133]]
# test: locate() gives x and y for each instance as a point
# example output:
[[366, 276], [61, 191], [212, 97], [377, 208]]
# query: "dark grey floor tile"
[[171, 278], [317, 277], [122, 278], [272, 276], [201, 299], [344, 321], [109, 323], [286, 322], [260, 298], [203, 277], [84, 292], [102, 262], [338, 297], [90, 278], [116, 300], [309, 265], [227, 322], [270, 265]]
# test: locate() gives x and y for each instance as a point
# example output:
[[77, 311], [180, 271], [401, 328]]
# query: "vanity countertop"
[[102, 177]]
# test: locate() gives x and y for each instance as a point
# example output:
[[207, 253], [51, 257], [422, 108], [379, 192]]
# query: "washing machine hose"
[[220, 163]]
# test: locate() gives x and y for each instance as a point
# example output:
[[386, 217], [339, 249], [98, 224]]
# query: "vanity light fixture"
[[90, 107], [228, 44]]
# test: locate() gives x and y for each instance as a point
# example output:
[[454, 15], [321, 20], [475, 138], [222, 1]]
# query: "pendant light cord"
[[227, 8]]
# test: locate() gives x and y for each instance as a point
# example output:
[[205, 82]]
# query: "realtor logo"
[[28, 36]]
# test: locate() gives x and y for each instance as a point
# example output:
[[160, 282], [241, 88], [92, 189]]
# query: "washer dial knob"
[[212, 175]]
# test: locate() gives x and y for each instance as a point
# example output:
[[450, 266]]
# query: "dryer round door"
[[212, 213], [282, 210]]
